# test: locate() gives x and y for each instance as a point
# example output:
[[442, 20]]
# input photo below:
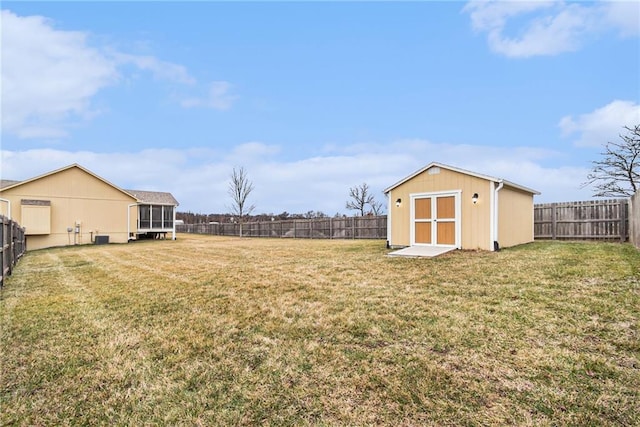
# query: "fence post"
[[11, 251], [353, 227], [634, 219], [331, 228], [553, 221], [623, 220], [2, 234]]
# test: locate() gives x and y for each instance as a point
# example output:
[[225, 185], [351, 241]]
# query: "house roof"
[[141, 196], [7, 182], [153, 197], [462, 171]]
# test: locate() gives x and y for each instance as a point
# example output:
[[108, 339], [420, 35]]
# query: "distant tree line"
[[199, 218]]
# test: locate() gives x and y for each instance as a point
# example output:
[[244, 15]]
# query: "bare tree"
[[360, 198], [377, 208], [618, 173], [239, 189]]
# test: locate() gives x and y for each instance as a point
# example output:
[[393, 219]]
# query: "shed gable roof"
[[462, 171]]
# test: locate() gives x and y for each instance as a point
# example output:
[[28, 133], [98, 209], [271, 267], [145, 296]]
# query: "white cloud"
[[624, 16], [549, 28], [48, 76], [51, 76], [489, 15], [217, 98], [601, 125], [162, 70], [199, 177], [254, 151]]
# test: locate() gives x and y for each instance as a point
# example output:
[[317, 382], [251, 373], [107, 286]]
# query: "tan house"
[[72, 205], [442, 207]]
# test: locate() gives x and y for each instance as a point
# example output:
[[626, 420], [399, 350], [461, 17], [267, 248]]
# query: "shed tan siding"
[[75, 196], [515, 217], [476, 234]]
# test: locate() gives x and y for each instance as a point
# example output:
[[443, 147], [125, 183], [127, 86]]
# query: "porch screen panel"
[[168, 216], [144, 212], [156, 217]]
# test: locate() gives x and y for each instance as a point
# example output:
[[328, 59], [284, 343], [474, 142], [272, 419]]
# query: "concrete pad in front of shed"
[[422, 251]]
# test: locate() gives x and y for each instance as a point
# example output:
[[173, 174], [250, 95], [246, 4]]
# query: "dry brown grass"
[[224, 331]]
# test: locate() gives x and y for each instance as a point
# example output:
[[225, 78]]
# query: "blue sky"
[[315, 97]]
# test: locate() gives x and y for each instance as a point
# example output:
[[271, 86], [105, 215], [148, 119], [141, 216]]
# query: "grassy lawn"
[[223, 331]]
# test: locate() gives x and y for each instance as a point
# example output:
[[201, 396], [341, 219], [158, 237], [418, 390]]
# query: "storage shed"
[[445, 207]]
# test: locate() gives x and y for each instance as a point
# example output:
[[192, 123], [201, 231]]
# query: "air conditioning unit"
[[101, 240]]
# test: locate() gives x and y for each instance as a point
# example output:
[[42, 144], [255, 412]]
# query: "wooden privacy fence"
[[13, 246], [613, 219], [588, 220], [634, 219], [365, 227]]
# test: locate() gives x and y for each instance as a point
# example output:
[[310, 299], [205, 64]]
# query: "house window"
[[145, 216]]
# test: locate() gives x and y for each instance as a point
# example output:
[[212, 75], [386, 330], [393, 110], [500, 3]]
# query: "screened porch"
[[155, 221]]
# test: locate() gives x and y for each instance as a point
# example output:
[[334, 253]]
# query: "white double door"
[[435, 219]]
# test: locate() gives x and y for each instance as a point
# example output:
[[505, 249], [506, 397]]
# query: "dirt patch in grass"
[[217, 331]]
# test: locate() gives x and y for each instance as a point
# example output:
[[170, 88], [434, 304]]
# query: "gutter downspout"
[[496, 245], [389, 220], [129, 220], [8, 207]]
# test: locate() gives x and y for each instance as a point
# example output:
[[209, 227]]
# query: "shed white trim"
[[389, 210], [495, 216], [493, 223]]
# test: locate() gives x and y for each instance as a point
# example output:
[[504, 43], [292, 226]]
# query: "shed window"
[[434, 170]]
